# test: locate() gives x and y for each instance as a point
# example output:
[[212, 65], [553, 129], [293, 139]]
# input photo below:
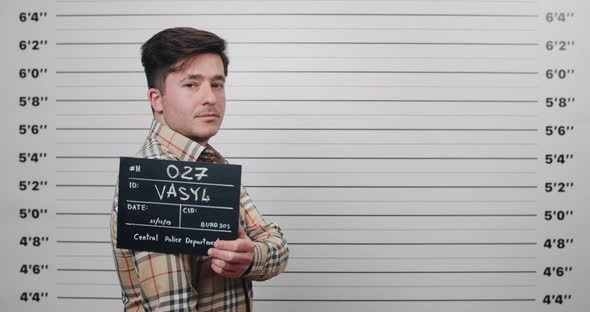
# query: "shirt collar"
[[182, 147]]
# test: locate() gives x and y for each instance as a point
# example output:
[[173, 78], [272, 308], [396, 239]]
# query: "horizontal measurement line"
[[394, 158], [310, 143], [86, 270], [344, 115], [83, 242], [332, 143], [366, 286], [339, 201], [334, 172], [370, 172], [411, 272], [85, 185], [88, 298], [386, 72], [102, 100], [80, 29], [382, 229], [313, 86], [335, 158], [324, 129], [103, 284], [347, 272], [393, 300], [332, 300], [347, 258], [341, 286], [354, 186], [319, 100], [85, 199], [320, 114], [354, 215], [85, 256], [83, 214], [399, 186], [415, 244], [372, 57], [401, 215], [370, 100], [98, 72], [318, 72], [233, 86], [100, 129], [380, 129], [297, 14], [324, 43], [354, 244], [82, 227], [410, 258], [364, 201], [330, 229]]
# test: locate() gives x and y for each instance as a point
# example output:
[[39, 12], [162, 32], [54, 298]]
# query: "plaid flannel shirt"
[[177, 282]]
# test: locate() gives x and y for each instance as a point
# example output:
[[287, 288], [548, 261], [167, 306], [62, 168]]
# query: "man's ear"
[[156, 100]]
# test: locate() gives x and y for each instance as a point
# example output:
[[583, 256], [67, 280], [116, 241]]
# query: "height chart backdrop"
[[419, 155]]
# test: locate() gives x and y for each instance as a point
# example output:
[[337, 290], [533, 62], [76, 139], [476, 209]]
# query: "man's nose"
[[209, 96]]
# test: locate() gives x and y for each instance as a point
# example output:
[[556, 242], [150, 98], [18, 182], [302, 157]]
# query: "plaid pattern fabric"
[[168, 282]]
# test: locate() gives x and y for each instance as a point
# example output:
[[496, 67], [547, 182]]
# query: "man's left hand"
[[232, 258]]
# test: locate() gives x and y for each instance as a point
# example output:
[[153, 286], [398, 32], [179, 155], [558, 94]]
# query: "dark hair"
[[168, 50]]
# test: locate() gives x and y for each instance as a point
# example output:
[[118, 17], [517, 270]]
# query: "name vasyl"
[[184, 193]]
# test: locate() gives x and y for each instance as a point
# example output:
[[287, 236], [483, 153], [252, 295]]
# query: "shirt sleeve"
[[271, 252], [155, 281]]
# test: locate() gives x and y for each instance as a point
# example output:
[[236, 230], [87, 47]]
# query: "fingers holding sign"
[[232, 258]]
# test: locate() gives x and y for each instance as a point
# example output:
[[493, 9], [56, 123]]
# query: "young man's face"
[[193, 103]]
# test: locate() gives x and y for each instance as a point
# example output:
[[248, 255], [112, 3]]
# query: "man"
[[186, 70]]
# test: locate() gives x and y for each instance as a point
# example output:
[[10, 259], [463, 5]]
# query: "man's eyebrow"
[[201, 77], [219, 77]]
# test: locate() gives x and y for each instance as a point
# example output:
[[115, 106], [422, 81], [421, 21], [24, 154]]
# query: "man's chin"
[[203, 137]]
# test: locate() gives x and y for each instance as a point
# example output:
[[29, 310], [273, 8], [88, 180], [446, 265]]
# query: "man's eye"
[[190, 85], [218, 85]]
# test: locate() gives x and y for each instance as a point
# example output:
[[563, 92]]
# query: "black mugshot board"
[[176, 207]]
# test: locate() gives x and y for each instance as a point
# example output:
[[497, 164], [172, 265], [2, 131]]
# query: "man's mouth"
[[205, 115]]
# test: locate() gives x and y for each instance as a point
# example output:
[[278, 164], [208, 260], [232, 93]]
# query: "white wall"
[[418, 129]]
